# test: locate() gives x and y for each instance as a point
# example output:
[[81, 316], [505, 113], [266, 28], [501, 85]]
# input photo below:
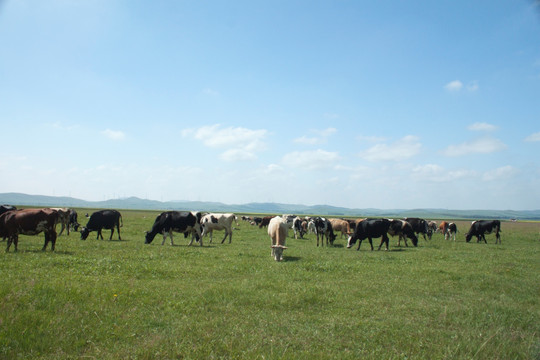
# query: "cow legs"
[[99, 234], [50, 236], [118, 229], [384, 240], [112, 232], [226, 234], [497, 238], [370, 244], [12, 239]]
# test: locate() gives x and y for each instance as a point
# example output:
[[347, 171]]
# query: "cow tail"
[[121, 221]]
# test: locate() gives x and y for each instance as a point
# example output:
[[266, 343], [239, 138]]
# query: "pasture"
[[126, 300]]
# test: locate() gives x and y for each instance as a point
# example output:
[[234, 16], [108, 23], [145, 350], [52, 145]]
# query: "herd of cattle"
[[14, 222]]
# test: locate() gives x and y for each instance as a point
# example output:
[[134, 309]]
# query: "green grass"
[[124, 299]]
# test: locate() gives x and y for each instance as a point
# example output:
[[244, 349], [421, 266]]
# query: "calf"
[[324, 230], [183, 222], [432, 228], [29, 222], [481, 227], [278, 229], [404, 230], [368, 229], [211, 222], [103, 219]]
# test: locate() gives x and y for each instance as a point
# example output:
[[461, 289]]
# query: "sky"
[[360, 104]]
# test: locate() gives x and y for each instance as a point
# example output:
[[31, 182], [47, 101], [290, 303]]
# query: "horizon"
[[417, 105]]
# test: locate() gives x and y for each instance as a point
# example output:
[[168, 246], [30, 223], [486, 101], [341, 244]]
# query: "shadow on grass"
[[291, 258]]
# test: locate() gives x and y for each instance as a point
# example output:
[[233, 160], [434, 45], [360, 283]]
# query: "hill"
[[262, 208]]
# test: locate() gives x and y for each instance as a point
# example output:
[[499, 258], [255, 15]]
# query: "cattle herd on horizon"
[[14, 222]]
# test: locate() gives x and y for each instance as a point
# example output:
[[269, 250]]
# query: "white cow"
[[278, 229], [211, 222]]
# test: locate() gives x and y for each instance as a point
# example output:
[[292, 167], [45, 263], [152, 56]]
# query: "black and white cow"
[[481, 227], [403, 230], [451, 230], [420, 226], [297, 227], [179, 221], [211, 222], [368, 229], [6, 208], [324, 229], [103, 219]]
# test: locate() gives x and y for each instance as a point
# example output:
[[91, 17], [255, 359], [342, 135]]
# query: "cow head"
[[351, 241], [468, 237], [331, 238], [277, 252], [148, 238], [84, 233]]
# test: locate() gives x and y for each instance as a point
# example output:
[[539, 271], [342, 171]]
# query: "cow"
[[278, 229], [211, 222], [432, 228], [420, 226], [3, 209], [443, 227], [339, 225], [73, 223], [179, 221], [63, 219], [481, 227], [265, 221], [298, 228], [311, 227], [451, 230], [404, 230], [324, 229], [29, 222], [103, 219], [368, 229]]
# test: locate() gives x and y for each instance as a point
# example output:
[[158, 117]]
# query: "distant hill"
[[262, 208]]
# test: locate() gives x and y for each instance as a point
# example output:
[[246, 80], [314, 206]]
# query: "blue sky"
[[388, 104]]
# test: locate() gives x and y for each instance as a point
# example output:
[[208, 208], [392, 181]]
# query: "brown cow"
[[29, 222], [265, 221], [343, 226]]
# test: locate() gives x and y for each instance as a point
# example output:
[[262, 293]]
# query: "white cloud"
[[437, 173], [240, 143], [455, 85], [311, 160], [114, 134], [533, 137], [479, 146], [502, 172], [401, 149], [321, 138], [482, 126]]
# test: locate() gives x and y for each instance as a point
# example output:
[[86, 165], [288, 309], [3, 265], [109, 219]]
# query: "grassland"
[[127, 300]]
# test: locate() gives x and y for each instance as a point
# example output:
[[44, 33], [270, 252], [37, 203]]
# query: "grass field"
[[127, 300]]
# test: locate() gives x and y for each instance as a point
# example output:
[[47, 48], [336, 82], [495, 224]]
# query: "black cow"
[[420, 226], [368, 229], [183, 222], [404, 230], [481, 227], [73, 220], [6, 208], [324, 229], [103, 219]]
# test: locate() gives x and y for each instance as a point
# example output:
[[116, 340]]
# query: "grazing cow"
[[432, 228], [420, 226], [265, 221], [404, 230], [278, 229], [103, 219], [63, 219], [339, 225], [256, 220], [481, 227], [368, 229], [183, 222], [443, 227], [73, 223], [29, 222], [211, 222], [451, 230], [324, 230]]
